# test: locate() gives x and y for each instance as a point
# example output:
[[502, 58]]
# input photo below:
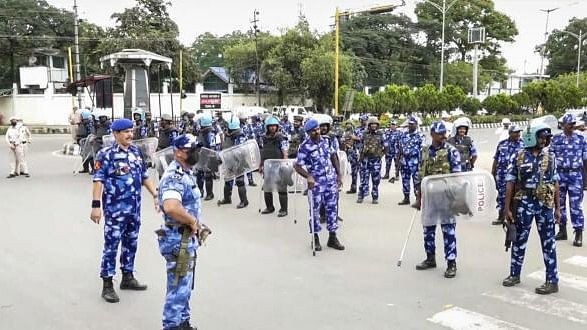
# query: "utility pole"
[[76, 51], [542, 53], [256, 31], [580, 38]]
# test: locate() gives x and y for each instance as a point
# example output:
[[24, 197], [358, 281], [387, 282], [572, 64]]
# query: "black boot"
[[269, 208], [511, 281], [129, 282], [430, 262], [392, 180], [333, 242], [386, 176], [108, 292], [353, 190], [500, 219], [562, 233], [185, 325], [317, 245], [547, 288], [227, 197], [578, 242], [405, 201], [451, 269], [242, 195], [209, 190], [283, 205]]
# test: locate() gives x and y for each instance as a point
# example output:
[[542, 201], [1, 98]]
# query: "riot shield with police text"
[[208, 161], [240, 159], [465, 195], [148, 147], [279, 175], [162, 159]]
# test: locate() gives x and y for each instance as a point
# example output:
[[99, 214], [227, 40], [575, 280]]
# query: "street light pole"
[[580, 40], [547, 11], [76, 50], [444, 9], [336, 72], [255, 30]]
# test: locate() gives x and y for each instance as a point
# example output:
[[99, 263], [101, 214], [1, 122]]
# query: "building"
[[47, 72], [514, 83]]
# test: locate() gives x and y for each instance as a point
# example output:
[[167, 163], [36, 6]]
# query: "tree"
[[501, 104], [208, 49], [561, 49], [523, 100], [465, 14], [460, 74], [471, 105], [453, 96], [429, 100], [363, 103], [395, 99], [553, 95]]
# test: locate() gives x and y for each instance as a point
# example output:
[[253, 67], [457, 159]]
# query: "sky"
[[220, 17]]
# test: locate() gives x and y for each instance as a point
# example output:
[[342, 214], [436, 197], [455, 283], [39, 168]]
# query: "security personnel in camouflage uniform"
[[353, 153], [410, 145], [438, 158], [391, 137], [102, 128], [325, 122], [167, 132], [464, 145], [274, 147], [140, 130], [180, 201], [570, 149], [533, 193], [298, 135], [286, 126], [150, 125], [370, 157], [249, 131], [234, 137], [503, 153], [206, 139], [324, 178], [119, 173]]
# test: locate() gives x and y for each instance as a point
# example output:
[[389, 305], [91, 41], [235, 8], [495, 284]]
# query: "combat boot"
[[430, 262], [209, 197], [578, 238], [405, 201], [352, 191], [108, 292], [500, 219], [547, 288], [333, 242], [317, 245], [385, 177], [562, 233], [511, 281], [227, 198], [359, 200], [451, 269], [242, 195], [392, 180], [129, 282], [185, 325]]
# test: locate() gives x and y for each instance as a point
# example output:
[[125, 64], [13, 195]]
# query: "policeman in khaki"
[[438, 158], [119, 173], [179, 238], [533, 193], [370, 159], [570, 149]]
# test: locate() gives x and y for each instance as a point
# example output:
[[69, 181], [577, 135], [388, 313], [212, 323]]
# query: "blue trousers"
[[119, 230], [409, 172], [176, 309], [389, 159], [354, 160], [324, 194], [370, 168], [450, 240], [501, 187], [527, 210], [571, 184]]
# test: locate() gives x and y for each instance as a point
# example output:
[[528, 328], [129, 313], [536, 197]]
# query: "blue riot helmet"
[[532, 133], [271, 121], [86, 114], [234, 123], [206, 121]]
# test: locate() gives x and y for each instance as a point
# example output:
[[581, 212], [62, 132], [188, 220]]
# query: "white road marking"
[[565, 280], [579, 261], [462, 319], [544, 304]]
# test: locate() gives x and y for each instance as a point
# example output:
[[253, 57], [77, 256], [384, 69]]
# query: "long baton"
[[311, 202], [401, 257]]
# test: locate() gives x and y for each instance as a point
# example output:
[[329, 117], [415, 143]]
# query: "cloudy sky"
[[223, 16]]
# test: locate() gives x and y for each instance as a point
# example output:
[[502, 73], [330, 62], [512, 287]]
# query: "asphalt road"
[[257, 272]]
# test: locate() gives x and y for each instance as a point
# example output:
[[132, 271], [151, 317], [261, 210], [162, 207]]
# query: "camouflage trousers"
[[389, 160], [450, 240], [324, 194], [529, 209], [176, 309], [571, 184], [370, 168], [409, 172], [501, 186], [354, 161], [119, 230]]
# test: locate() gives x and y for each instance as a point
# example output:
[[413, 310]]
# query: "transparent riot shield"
[[464, 195], [279, 175], [548, 120], [239, 160], [108, 140], [208, 161], [162, 159], [344, 165], [148, 147]]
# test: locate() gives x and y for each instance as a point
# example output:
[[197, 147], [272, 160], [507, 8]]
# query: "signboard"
[[477, 35], [210, 101]]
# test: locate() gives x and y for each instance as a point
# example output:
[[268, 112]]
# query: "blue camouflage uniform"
[[208, 140], [528, 174], [571, 153], [122, 173], [315, 157], [370, 166], [449, 226], [286, 127], [391, 138], [503, 154], [353, 156], [249, 131], [259, 131], [410, 147], [178, 183]]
